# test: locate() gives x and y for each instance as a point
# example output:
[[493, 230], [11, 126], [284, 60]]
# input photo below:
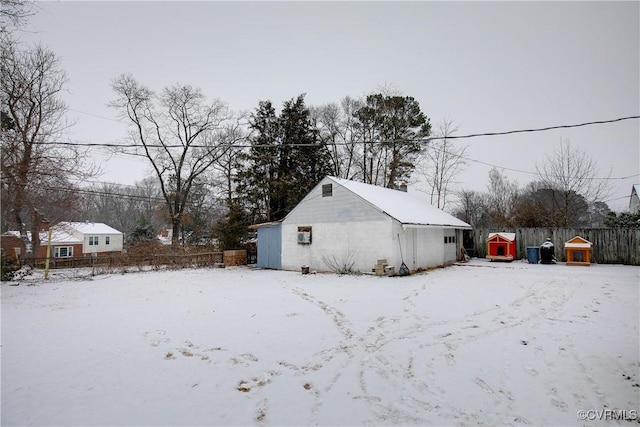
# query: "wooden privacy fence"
[[610, 245]]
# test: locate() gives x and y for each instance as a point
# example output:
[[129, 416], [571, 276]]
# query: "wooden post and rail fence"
[[203, 259]]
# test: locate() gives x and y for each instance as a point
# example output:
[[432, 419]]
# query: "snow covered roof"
[[507, 236], [57, 236], [578, 243], [404, 207], [88, 227]]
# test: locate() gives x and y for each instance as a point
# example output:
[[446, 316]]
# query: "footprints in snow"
[[246, 386], [158, 338]]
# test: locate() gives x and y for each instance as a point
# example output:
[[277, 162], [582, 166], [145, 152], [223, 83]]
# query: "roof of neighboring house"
[[404, 207], [507, 236], [11, 233], [87, 227], [57, 236], [635, 190]]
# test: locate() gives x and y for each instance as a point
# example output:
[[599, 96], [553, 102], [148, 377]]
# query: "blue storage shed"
[[269, 245]]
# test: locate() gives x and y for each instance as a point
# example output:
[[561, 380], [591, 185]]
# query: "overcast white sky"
[[488, 66]]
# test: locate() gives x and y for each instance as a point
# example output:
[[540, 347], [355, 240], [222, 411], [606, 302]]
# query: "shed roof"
[[507, 236], [402, 206]]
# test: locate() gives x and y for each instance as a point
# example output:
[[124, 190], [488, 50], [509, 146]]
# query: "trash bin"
[[547, 253], [532, 254]]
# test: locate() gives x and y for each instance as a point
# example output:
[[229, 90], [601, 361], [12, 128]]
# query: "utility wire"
[[599, 122], [464, 157], [425, 140], [401, 141]]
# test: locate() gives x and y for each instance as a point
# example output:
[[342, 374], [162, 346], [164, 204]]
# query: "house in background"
[[68, 240], [634, 201], [89, 238], [351, 224], [12, 246]]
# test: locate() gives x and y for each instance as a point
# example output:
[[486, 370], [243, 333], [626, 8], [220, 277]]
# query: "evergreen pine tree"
[[143, 231], [394, 129], [285, 162], [305, 160], [257, 179]]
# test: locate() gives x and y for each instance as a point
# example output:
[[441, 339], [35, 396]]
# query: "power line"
[[618, 178], [510, 132], [425, 140], [98, 116], [88, 191], [463, 156], [401, 141]]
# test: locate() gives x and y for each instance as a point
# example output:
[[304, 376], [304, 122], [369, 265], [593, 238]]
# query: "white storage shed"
[[348, 223]]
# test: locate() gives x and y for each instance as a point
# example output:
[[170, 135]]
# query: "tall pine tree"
[[393, 130], [257, 179], [285, 162]]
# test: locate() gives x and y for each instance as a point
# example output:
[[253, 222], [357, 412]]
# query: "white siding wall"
[[423, 247], [115, 243], [345, 225], [363, 242], [342, 207], [342, 225]]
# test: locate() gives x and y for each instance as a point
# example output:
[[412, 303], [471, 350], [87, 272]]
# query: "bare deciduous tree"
[[37, 172], [442, 162], [503, 195], [337, 127], [472, 208], [176, 131], [14, 13], [572, 177], [121, 205], [227, 165]]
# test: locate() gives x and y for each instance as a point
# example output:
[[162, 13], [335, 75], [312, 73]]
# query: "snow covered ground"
[[477, 344]]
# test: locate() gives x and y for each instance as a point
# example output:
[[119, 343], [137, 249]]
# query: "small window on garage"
[[327, 190]]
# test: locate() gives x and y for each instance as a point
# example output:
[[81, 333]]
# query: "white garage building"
[[342, 222]]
